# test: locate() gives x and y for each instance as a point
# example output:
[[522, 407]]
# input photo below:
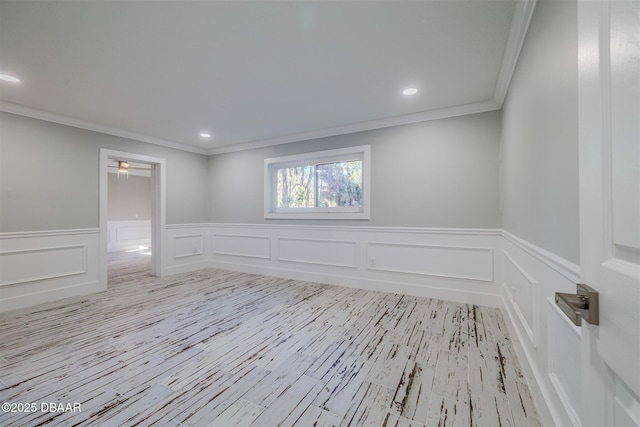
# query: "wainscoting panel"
[[626, 408], [125, 235], [522, 290], [37, 267], [460, 262], [456, 262], [548, 341], [242, 245], [564, 359], [332, 253], [31, 265], [188, 247]]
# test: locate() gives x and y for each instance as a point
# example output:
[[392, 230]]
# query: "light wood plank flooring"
[[224, 348]]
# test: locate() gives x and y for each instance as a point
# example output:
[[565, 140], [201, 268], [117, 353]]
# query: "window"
[[331, 184]]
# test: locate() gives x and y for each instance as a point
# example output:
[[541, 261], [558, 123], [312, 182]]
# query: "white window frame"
[[362, 152]]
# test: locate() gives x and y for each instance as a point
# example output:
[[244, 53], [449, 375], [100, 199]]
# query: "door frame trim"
[[158, 210]]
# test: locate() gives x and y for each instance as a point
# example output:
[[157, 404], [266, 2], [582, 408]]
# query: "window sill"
[[317, 215]]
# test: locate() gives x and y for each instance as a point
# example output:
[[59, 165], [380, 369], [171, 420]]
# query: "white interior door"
[[609, 101]]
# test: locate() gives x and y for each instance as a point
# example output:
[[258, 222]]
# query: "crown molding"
[[34, 113], [443, 113], [517, 33]]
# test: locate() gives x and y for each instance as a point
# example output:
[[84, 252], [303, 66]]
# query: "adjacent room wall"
[[441, 173], [49, 176], [129, 198], [128, 212], [539, 150]]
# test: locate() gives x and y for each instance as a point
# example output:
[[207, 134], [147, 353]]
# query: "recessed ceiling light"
[[410, 91], [8, 78], [205, 135]]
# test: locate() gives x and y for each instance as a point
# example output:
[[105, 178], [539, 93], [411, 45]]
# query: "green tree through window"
[[320, 185], [336, 184]]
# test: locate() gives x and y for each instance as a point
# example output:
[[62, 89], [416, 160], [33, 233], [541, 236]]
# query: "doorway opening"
[[136, 245], [128, 221]]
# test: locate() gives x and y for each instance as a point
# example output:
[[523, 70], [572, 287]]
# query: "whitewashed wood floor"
[[224, 348]]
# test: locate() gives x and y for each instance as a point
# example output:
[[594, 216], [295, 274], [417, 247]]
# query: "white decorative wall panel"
[[326, 254], [522, 291], [333, 253], [564, 360], [124, 235], [626, 407], [188, 248], [550, 343], [36, 264], [242, 245], [338, 255], [188, 245], [37, 267], [473, 263]]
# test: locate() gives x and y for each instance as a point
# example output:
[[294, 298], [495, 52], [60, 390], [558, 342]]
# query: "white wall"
[[129, 198], [128, 212], [539, 150], [441, 173]]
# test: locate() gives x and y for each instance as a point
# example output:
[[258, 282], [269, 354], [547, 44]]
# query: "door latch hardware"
[[581, 305]]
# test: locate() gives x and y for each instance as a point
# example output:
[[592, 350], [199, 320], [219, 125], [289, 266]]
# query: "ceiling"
[[255, 73]]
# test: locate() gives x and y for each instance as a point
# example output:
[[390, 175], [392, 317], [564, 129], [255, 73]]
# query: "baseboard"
[[50, 295], [188, 267], [546, 404], [389, 286]]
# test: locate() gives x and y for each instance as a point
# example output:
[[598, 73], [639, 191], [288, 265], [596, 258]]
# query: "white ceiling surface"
[[255, 73]]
